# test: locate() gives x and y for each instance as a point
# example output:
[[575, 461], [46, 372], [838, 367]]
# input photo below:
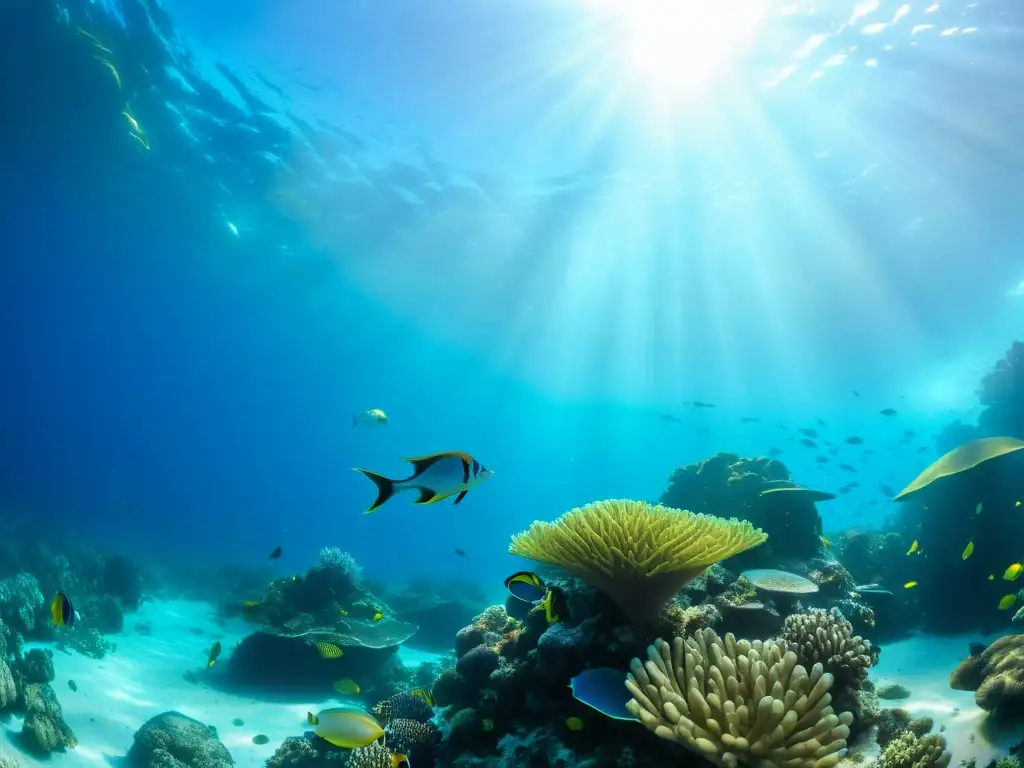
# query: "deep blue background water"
[[506, 253]]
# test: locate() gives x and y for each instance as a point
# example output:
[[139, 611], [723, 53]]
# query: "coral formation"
[[44, 729], [638, 554], [826, 637], [735, 701], [995, 674], [172, 740], [910, 751], [725, 485], [375, 755]]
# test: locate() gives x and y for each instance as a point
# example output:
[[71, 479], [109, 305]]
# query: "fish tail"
[[385, 488], [312, 719]]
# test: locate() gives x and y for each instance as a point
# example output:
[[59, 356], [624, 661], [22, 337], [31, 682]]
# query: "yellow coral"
[[640, 555]]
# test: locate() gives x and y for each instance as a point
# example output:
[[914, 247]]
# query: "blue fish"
[[603, 689]]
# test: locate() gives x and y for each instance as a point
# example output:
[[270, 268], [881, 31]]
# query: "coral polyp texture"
[[825, 637], [736, 702], [639, 555]]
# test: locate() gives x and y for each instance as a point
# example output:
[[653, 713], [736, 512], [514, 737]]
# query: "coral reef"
[[639, 555], [172, 740], [911, 751], [995, 674], [725, 485], [826, 637], [44, 729], [968, 496], [438, 608], [1001, 395], [734, 701]]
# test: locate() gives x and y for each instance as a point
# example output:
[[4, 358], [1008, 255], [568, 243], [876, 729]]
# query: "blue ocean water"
[[541, 232]]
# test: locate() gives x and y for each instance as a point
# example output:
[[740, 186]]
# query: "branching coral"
[[335, 558], [638, 554], [910, 751], [738, 702], [825, 637]]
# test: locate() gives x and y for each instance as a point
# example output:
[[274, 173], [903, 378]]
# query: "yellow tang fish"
[[434, 477], [249, 604], [343, 612], [378, 616], [329, 650], [398, 760], [1016, 504], [913, 548], [346, 686], [825, 542], [345, 727], [977, 509], [1007, 602], [1012, 573], [574, 724], [910, 585], [968, 550]]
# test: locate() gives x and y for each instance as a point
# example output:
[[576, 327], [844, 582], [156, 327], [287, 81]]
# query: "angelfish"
[[435, 477]]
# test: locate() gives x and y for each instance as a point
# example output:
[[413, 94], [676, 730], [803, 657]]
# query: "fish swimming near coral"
[[872, 589], [603, 689], [345, 727], [328, 650], [398, 760], [968, 550], [526, 586], [62, 612], [913, 547], [1007, 602], [374, 417], [910, 585], [378, 616], [574, 724], [978, 509], [435, 477], [346, 686], [211, 657], [1012, 572], [276, 553], [553, 605]]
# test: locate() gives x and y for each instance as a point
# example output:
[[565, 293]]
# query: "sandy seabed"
[[146, 676]]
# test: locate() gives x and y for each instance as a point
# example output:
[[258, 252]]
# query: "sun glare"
[[678, 48]]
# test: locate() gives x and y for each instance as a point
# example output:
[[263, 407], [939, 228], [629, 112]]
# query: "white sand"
[[143, 678], [922, 665]]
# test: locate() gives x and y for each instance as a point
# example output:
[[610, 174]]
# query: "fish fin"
[[312, 719], [437, 497], [421, 464], [385, 488], [460, 497], [427, 496]]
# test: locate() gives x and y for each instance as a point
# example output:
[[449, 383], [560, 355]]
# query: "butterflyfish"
[[910, 585], [603, 689], [328, 650], [398, 760], [968, 550], [1012, 573], [913, 547], [425, 695], [346, 686], [211, 657], [345, 727], [435, 478], [574, 724], [553, 605], [62, 612], [374, 417], [526, 586], [1007, 602]]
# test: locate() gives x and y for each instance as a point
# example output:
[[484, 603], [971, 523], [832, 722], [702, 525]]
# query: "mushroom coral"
[[639, 555]]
